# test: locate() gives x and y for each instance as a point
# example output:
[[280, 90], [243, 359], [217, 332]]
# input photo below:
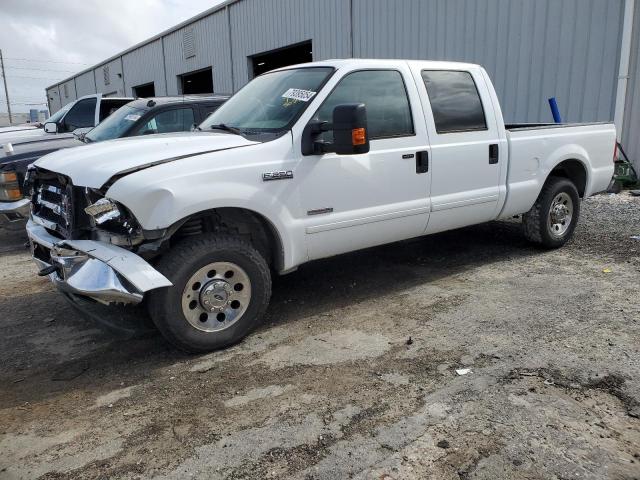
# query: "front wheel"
[[221, 289], [553, 218]]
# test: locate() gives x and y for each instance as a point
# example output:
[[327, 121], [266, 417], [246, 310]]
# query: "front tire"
[[221, 289], [553, 218]]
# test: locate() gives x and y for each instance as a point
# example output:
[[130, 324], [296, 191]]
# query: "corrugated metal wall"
[[258, 26], [67, 91], [211, 37], [116, 81], [85, 84], [532, 49], [144, 65], [631, 131], [53, 99]]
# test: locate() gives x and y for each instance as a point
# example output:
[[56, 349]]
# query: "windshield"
[[116, 124], [271, 102], [60, 113]]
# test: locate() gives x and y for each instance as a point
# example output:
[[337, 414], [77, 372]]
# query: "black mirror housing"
[[350, 136]]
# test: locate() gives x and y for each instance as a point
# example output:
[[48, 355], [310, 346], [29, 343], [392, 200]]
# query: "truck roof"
[[366, 62], [203, 98]]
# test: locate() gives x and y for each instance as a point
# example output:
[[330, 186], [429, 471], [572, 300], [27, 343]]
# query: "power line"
[[39, 69], [45, 61], [34, 78]]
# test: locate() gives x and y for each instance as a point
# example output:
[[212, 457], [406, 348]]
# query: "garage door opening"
[[146, 90], [197, 82], [282, 57]]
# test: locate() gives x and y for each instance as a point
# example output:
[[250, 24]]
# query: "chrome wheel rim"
[[216, 296], [560, 214]]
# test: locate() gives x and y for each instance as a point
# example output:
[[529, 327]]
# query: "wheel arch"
[[574, 170], [262, 232]]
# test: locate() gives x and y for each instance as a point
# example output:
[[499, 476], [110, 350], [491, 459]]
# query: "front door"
[[357, 201]]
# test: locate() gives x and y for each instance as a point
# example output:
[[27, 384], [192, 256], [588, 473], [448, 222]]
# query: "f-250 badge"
[[281, 175]]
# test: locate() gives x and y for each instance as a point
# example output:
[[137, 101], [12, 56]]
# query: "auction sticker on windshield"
[[299, 94], [132, 118]]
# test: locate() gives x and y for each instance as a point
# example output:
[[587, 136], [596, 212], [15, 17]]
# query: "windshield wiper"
[[226, 128]]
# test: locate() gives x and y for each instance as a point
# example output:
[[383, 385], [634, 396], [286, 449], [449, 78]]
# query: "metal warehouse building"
[[584, 52]]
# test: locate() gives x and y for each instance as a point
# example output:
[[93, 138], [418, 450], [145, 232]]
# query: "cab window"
[[175, 120], [455, 101], [385, 96], [81, 115]]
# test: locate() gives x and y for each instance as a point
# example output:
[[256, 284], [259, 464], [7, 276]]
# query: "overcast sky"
[[45, 41]]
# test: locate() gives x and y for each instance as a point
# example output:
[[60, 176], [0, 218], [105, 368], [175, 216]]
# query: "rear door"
[[465, 153]]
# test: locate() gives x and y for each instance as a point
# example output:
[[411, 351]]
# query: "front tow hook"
[[47, 271]]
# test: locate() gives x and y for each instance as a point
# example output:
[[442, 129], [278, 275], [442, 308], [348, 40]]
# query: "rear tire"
[[553, 218], [221, 289]]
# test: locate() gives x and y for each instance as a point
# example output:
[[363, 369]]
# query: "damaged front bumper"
[[14, 211], [98, 270]]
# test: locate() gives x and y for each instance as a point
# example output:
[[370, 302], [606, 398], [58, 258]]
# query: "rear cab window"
[[109, 106], [168, 121], [208, 109], [455, 101]]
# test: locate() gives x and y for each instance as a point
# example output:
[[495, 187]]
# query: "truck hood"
[[94, 165], [17, 128], [25, 153], [22, 135]]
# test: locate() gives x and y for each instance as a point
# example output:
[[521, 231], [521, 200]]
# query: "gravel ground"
[[354, 374]]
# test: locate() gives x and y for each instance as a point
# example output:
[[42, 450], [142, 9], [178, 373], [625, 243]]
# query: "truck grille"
[[52, 205]]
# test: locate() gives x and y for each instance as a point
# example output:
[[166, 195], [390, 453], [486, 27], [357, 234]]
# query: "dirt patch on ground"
[[331, 387]]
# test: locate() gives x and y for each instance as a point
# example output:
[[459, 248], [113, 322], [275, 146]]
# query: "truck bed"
[[534, 149]]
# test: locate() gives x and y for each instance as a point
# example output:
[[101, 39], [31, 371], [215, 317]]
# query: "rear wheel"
[[221, 289], [553, 218]]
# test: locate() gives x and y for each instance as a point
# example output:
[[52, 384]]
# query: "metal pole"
[[623, 71], [6, 90]]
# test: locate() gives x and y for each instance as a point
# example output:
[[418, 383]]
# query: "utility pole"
[[6, 89]]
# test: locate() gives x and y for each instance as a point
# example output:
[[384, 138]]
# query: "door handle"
[[422, 162], [493, 153]]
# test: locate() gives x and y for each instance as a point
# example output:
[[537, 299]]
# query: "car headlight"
[[9, 187], [104, 210]]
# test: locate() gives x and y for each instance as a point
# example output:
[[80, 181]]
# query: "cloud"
[[46, 41]]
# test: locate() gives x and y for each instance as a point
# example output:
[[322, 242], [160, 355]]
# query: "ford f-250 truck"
[[304, 162]]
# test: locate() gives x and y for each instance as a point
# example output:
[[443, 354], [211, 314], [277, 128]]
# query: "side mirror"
[[349, 128], [350, 135], [51, 127]]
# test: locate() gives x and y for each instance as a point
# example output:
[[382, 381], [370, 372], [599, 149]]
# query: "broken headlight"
[[104, 210], [113, 222]]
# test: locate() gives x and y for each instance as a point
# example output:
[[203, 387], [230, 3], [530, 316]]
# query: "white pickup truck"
[[78, 116], [304, 162]]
